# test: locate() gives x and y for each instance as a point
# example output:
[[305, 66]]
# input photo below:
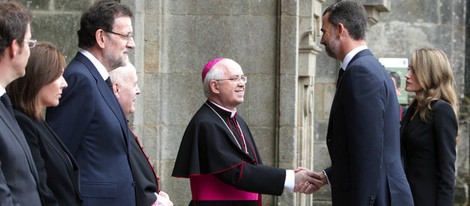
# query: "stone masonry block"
[[264, 138], [62, 29]]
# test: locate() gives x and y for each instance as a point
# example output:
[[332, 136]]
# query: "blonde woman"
[[429, 128]]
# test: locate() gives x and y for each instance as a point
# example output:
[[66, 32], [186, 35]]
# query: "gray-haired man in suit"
[[147, 189]]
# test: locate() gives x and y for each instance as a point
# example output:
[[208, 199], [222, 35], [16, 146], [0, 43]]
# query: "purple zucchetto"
[[209, 66]]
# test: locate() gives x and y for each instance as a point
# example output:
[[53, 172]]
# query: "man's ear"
[[341, 30], [214, 86], [14, 49], [116, 89], [99, 37]]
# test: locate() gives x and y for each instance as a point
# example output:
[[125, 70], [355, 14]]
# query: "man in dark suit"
[[89, 119], [363, 132], [18, 175], [126, 89]]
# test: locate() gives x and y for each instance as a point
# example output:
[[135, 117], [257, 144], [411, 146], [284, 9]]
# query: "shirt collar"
[[99, 66], [351, 54], [2, 91], [232, 112]]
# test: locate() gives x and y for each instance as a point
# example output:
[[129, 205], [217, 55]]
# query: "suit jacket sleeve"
[[255, 178], [75, 103], [34, 141], [445, 133], [365, 96], [5, 193], [207, 148]]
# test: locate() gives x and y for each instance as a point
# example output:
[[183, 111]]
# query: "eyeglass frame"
[[31, 43], [239, 78], [128, 37]]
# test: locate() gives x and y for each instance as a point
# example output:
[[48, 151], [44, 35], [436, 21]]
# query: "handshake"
[[308, 181]]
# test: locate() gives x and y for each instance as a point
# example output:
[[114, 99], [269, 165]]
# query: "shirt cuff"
[[327, 179], [289, 183]]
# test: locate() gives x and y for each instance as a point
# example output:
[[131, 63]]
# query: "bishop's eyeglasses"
[[239, 78]]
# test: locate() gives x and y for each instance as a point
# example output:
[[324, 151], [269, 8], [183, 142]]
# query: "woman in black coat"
[[41, 87], [429, 129]]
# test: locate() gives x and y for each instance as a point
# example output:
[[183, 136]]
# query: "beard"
[[330, 52], [115, 61], [332, 48], [114, 57]]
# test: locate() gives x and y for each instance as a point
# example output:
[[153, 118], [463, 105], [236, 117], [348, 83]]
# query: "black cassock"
[[219, 156]]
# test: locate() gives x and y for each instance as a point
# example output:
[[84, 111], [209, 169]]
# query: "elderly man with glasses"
[[218, 153]]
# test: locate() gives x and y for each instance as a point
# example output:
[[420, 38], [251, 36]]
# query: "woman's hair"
[[45, 64], [433, 72]]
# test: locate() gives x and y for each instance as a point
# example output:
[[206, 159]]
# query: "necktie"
[[340, 74], [110, 84], [6, 101]]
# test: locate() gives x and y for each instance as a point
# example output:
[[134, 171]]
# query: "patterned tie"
[[6, 101]]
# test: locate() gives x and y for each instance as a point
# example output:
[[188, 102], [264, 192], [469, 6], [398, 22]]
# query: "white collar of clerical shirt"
[[232, 112]]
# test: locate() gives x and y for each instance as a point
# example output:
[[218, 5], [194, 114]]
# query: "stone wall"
[[175, 38]]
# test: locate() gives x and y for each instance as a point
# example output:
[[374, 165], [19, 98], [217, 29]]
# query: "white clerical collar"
[[351, 54], [232, 112], [99, 66]]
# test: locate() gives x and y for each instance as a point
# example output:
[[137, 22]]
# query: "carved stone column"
[[374, 7], [310, 12]]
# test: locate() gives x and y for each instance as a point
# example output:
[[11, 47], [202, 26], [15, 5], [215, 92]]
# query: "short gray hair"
[[120, 74], [215, 73]]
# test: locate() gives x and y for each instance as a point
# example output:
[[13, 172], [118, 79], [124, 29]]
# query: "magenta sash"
[[208, 187]]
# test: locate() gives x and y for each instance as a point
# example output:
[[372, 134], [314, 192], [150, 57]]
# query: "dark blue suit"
[[91, 124], [18, 176], [363, 138]]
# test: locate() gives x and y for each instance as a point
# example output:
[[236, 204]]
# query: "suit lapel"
[[61, 150], [15, 129], [108, 96], [365, 52]]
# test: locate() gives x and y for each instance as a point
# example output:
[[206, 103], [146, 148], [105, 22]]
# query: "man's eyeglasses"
[[31, 43], [242, 78], [128, 37]]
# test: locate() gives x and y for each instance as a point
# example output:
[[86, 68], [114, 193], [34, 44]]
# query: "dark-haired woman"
[[41, 87]]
